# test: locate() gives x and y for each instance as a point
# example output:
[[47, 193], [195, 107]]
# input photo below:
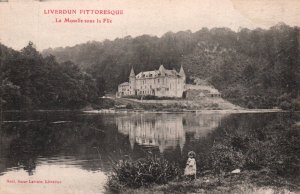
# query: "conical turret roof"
[[132, 74], [162, 70], [181, 72]]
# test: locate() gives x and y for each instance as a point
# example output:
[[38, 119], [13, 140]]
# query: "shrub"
[[215, 105], [129, 106], [259, 154], [142, 172], [284, 97], [225, 158], [149, 97], [104, 103], [285, 105], [296, 103], [138, 97], [250, 105]]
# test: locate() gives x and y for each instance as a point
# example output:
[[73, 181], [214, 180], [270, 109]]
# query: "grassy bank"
[[249, 182], [174, 105], [245, 183]]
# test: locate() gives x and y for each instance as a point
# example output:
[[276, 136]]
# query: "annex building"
[[160, 83]]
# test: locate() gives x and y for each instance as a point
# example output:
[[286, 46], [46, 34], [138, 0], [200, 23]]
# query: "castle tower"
[[182, 73], [132, 74], [132, 82], [161, 70]]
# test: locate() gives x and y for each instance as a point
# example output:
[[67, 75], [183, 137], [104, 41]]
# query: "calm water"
[[72, 152]]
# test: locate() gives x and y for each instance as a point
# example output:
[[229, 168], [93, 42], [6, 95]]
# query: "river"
[[73, 152]]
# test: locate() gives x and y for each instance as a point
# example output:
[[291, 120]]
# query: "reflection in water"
[[201, 124], [80, 152], [166, 131], [49, 149]]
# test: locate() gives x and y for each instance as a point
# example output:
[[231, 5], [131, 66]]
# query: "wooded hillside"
[[30, 81], [254, 68]]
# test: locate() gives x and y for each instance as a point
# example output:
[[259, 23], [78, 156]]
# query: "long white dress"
[[190, 168]]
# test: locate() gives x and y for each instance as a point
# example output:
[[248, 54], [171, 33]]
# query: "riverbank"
[[205, 103], [116, 111], [185, 111], [263, 181], [124, 105], [248, 182]]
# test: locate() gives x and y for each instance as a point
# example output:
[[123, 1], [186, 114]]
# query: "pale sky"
[[24, 20]]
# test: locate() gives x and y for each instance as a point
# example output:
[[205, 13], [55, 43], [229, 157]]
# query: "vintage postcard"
[[138, 96]]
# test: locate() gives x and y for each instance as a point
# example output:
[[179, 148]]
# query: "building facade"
[[160, 83]]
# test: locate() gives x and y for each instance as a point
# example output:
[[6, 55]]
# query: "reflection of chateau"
[[165, 130]]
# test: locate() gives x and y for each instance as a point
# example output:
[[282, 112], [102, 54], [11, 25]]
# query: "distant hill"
[[257, 67]]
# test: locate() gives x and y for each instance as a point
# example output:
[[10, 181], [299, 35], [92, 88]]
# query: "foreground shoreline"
[[248, 182], [216, 186]]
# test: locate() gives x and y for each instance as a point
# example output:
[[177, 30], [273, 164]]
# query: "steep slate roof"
[[171, 73], [157, 73], [148, 74], [123, 84]]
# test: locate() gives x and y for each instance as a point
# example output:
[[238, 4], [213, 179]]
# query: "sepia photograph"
[[154, 97]]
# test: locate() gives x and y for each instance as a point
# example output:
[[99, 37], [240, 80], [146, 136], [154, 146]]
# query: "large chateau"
[[160, 83]]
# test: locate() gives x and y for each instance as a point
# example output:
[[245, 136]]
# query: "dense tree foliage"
[[29, 80], [255, 67]]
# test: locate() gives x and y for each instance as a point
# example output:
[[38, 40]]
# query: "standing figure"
[[190, 169]]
